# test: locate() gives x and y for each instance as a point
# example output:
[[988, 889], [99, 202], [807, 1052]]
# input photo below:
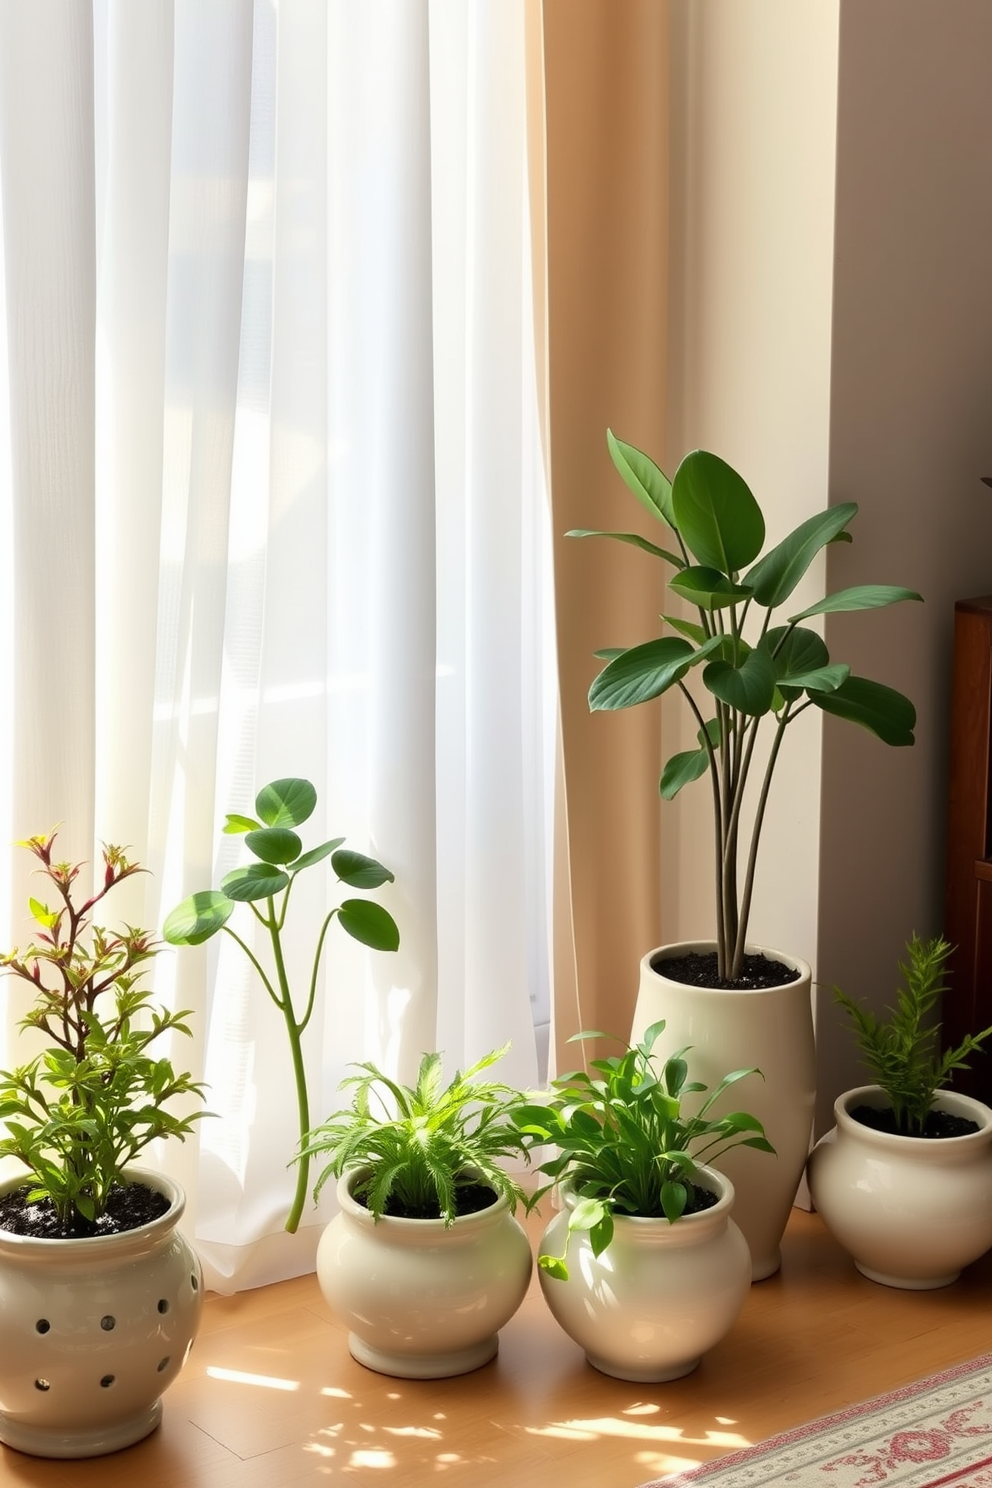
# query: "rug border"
[[689, 1476]]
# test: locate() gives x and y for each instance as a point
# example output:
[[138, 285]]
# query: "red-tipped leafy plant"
[[81, 1110]]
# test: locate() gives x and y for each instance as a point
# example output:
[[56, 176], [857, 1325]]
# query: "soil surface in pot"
[[128, 1207], [470, 1198], [937, 1125], [699, 969]]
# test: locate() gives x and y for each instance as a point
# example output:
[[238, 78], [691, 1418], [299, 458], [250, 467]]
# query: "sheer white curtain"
[[275, 506]]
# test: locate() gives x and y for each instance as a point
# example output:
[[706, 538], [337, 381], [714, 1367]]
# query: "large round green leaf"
[[682, 769], [708, 588], [716, 514], [274, 844], [369, 923], [358, 871], [197, 918], [774, 576], [255, 881], [286, 803], [880, 709], [748, 688], [640, 673]]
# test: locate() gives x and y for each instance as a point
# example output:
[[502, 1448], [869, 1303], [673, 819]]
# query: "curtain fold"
[[607, 170], [276, 463]]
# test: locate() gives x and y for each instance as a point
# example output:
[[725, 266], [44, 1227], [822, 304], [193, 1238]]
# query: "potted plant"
[[100, 1294], [904, 1179], [265, 885], [643, 1267], [425, 1261], [739, 667]]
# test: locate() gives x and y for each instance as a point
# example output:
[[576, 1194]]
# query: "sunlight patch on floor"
[[615, 1426], [239, 1377]]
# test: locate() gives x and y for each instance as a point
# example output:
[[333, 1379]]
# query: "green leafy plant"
[[80, 1111], [902, 1051], [266, 885], [751, 668], [420, 1148], [625, 1141]]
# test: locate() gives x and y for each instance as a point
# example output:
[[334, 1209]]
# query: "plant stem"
[[759, 817], [299, 1069]]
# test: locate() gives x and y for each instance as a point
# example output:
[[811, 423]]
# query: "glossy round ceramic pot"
[[659, 1296], [767, 1029], [422, 1300], [911, 1211], [93, 1330]]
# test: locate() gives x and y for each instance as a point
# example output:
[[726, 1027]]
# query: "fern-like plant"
[[421, 1148], [902, 1051]]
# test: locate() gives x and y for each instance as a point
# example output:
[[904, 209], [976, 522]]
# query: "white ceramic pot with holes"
[[93, 1330]]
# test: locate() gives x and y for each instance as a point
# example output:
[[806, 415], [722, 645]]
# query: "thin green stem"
[[254, 959], [316, 968], [294, 1030], [759, 817]]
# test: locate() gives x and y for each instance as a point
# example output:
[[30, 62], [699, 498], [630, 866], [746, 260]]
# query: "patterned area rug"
[[936, 1433]]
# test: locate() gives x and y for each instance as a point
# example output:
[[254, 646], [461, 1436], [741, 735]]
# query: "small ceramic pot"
[[659, 1296], [421, 1300], [93, 1330], [768, 1029], [910, 1210]]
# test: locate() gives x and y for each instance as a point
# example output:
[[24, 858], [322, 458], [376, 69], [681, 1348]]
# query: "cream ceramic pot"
[[771, 1030], [93, 1330], [659, 1296], [421, 1300], [911, 1211]]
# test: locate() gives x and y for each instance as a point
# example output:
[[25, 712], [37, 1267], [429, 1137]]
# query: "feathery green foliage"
[[418, 1146], [79, 1112], [902, 1051], [625, 1141]]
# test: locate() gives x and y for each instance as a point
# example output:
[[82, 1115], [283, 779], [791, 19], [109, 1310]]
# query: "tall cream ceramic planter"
[[421, 1300], [910, 1210], [659, 1296], [771, 1030], [93, 1330]]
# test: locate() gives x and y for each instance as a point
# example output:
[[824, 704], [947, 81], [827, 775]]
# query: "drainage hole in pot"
[[163, 1305], [108, 1324], [42, 1326], [41, 1384], [163, 1364], [107, 1381], [194, 1283]]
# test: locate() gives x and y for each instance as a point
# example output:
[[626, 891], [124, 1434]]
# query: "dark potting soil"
[[699, 1199], [128, 1207], [699, 969], [470, 1198], [938, 1124]]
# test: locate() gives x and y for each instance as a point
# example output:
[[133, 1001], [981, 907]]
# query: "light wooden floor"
[[271, 1397]]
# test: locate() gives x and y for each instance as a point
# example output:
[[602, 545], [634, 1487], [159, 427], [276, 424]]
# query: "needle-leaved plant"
[[902, 1050], [626, 1142], [751, 665], [266, 886]]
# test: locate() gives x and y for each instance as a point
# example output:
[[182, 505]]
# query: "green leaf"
[[286, 803], [823, 679], [708, 588], [859, 597], [554, 1266], [718, 518], [358, 871], [682, 769], [775, 576], [274, 844], [45, 916], [687, 628], [880, 709], [643, 672], [795, 649], [748, 688], [370, 924], [316, 854], [198, 918], [634, 539], [652, 488], [235, 824], [255, 881]]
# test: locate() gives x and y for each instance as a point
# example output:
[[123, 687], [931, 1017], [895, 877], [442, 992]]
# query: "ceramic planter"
[[421, 1300], [659, 1296], [910, 1210], [771, 1030], [93, 1330]]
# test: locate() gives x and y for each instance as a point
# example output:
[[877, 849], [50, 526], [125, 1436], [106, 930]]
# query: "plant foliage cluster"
[[750, 667], [81, 1110], [902, 1051], [417, 1147], [626, 1141], [266, 886]]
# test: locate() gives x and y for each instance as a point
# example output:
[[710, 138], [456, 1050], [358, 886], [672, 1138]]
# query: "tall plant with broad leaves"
[[752, 666], [266, 885]]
